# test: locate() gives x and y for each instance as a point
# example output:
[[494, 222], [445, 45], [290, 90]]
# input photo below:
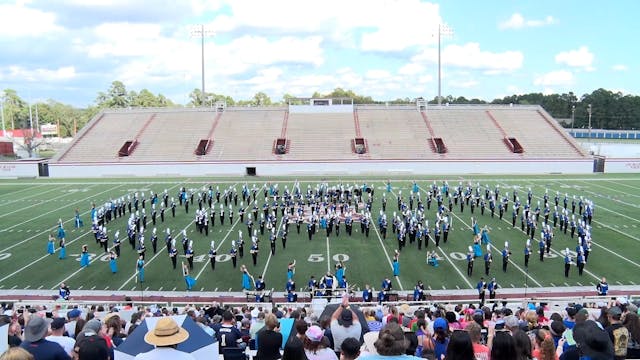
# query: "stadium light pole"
[[200, 31], [443, 29], [589, 111], [4, 130], [573, 115]]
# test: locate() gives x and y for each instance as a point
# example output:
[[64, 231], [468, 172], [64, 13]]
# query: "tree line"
[[609, 110]]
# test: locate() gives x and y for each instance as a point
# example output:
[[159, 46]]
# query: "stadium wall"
[[320, 168], [18, 169]]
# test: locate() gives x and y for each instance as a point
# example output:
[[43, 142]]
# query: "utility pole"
[[200, 31], [573, 115], [4, 131], [443, 29], [589, 111]]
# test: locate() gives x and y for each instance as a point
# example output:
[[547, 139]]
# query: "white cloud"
[[411, 69], [581, 58], [470, 56], [16, 72], [517, 21], [387, 26], [463, 84], [19, 20], [620, 67], [555, 78], [377, 74]]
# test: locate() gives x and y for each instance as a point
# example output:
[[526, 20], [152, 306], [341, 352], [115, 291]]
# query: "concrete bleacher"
[[320, 136], [102, 139], [389, 132], [468, 133], [395, 134], [246, 134], [538, 137], [175, 133]]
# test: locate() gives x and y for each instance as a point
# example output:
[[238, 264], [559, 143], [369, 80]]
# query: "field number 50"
[[320, 257]]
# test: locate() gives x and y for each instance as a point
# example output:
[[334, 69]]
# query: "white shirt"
[[164, 353], [66, 342]]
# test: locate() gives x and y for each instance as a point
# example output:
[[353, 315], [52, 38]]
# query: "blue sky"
[[69, 50]]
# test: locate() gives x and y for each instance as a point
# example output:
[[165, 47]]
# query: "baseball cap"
[[74, 313], [346, 317], [440, 323], [614, 311]]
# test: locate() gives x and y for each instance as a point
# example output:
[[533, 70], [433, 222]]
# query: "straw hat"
[[167, 332]]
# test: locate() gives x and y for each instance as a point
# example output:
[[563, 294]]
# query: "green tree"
[[261, 99], [115, 97]]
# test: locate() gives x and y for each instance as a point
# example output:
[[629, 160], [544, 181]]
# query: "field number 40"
[[320, 257]]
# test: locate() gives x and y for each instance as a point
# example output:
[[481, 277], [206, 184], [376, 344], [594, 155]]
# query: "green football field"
[[31, 209]]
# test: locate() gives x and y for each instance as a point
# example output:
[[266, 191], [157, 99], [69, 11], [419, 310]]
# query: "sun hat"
[[36, 329], [314, 333], [167, 332]]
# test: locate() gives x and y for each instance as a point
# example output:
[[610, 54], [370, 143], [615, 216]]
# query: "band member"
[[116, 243], [212, 255], [154, 241], [488, 259], [63, 250], [481, 287], [291, 269], [173, 253], [567, 262], [140, 268], [191, 282], [506, 253], [527, 252], [189, 254], [112, 262], [51, 245], [492, 287], [84, 256]]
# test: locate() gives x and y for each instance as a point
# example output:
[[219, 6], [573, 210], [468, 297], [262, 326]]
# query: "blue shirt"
[[45, 350]]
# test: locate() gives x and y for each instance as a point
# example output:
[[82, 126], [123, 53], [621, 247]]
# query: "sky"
[[69, 50]]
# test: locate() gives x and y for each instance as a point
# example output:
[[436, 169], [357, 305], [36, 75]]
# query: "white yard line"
[[58, 209], [36, 204], [31, 189]]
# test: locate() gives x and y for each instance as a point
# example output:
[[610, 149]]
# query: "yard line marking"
[[39, 287], [600, 207], [579, 284], [526, 273], [386, 254], [150, 260], [328, 257], [26, 287], [46, 231], [79, 288], [619, 283], [614, 190], [611, 228], [93, 288], [633, 187], [28, 197], [58, 209], [226, 236], [43, 257], [135, 274], [36, 204], [174, 289], [146, 289], [14, 286], [161, 287], [266, 266], [566, 284]]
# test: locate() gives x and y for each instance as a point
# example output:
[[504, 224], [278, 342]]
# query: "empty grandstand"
[[339, 133]]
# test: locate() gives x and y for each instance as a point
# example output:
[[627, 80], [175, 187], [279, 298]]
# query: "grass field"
[[31, 209]]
